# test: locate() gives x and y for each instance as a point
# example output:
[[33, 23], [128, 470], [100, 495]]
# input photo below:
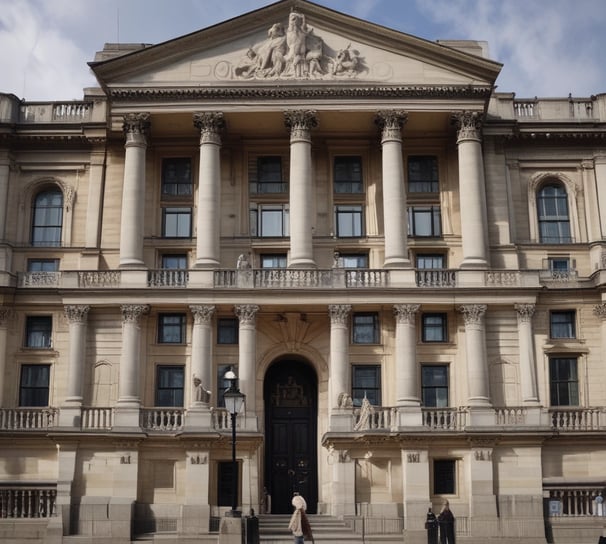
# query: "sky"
[[549, 48]]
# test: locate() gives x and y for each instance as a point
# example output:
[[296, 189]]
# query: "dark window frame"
[[433, 384], [564, 381], [181, 184], [43, 265], [359, 329], [433, 257], [165, 328], [228, 328], [34, 394], [366, 382], [427, 326], [348, 175], [165, 257], [280, 259], [47, 218], [355, 213], [444, 476], [553, 214], [177, 213], [433, 216], [38, 325], [169, 390], [427, 177], [259, 229], [562, 324]]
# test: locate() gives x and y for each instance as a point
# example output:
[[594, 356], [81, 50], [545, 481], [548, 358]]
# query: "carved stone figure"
[[346, 61], [201, 394]]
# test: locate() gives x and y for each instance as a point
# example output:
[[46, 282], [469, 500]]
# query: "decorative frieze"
[[210, 124], [406, 313], [202, 313], [339, 313]]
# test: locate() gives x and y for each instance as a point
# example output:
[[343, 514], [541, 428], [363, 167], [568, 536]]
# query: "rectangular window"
[[222, 383], [352, 260], [348, 175], [430, 261], [169, 385], [269, 221], [563, 381], [422, 174], [434, 328], [269, 176], [176, 177], [366, 382], [365, 328], [42, 265], [424, 221], [562, 324], [225, 483], [176, 222], [559, 264], [171, 328], [434, 386], [444, 476], [227, 330], [273, 260], [349, 221], [34, 385], [174, 261], [38, 330]]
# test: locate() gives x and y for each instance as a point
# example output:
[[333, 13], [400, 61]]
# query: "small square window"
[[227, 330], [34, 386], [176, 177], [423, 174], [169, 385], [444, 476], [559, 264], [434, 261], [171, 328], [42, 265], [434, 328], [366, 382], [349, 221], [434, 386], [352, 260], [176, 222], [365, 328], [348, 175], [38, 331], [563, 381], [273, 260], [562, 324]]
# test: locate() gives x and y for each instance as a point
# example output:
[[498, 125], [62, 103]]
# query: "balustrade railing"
[[366, 278], [94, 418], [510, 415], [27, 419], [448, 419], [221, 420], [167, 278], [575, 419], [162, 419], [503, 278], [39, 279], [283, 278], [58, 112], [27, 501], [377, 418], [98, 279], [436, 278], [577, 501]]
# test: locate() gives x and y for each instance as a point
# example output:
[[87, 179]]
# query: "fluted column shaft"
[[76, 316], [247, 352], [208, 220], [6, 315], [136, 126], [300, 124], [475, 344], [201, 351], [339, 372], [131, 349], [395, 224], [407, 374], [472, 192], [528, 370]]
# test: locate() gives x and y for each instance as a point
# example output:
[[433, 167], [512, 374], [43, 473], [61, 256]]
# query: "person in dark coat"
[[431, 525], [446, 521]]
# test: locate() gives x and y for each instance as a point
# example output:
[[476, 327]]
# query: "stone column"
[[407, 374], [472, 192], [599, 163], [599, 310], [475, 344], [201, 355], [76, 315], [128, 395], [247, 354], [95, 198], [395, 224], [339, 372], [301, 214], [208, 220], [136, 127], [528, 370], [4, 174], [6, 316]]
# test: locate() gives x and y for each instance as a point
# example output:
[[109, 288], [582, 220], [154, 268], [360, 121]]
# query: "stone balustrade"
[[97, 419], [576, 501], [575, 419], [27, 501], [162, 419], [28, 419]]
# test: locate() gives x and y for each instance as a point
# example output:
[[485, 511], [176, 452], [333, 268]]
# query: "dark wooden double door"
[[291, 395]]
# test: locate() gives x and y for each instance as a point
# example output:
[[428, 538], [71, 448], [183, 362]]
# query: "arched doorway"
[[291, 411]]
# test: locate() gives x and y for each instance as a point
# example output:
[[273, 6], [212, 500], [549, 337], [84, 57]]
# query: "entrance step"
[[273, 529]]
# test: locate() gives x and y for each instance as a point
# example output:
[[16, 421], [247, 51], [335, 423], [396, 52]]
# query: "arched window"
[[552, 211], [47, 218]]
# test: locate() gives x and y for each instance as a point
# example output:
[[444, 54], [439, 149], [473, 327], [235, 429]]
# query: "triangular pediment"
[[295, 42]]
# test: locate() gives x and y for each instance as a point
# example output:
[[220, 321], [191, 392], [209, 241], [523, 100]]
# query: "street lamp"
[[234, 400]]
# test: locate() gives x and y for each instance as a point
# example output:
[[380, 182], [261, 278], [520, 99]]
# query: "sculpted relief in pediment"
[[294, 51]]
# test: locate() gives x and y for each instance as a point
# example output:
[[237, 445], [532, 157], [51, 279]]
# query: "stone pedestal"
[[230, 531]]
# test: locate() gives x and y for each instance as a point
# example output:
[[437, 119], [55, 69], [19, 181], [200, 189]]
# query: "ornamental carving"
[[391, 123], [294, 51], [246, 313], [136, 123], [469, 125], [405, 313], [339, 313], [413, 457], [202, 313], [300, 122], [76, 313], [599, 310], [473, 314], [210, 124], [525, 311], [131, 313], [5, 315]]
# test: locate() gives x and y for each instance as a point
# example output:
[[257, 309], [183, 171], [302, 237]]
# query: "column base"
[[302, 262], [207, 263], [397, 262], [131, 263], [474, 262]]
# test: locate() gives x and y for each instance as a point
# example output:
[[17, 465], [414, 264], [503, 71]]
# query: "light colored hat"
[[299, 502]]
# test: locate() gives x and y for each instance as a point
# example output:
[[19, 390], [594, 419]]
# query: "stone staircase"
[[273, 529]]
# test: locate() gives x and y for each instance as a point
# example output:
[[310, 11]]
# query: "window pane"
[[353, 261], [174, 262], [38, 332], [177, 222], [424, 221], [552, 210], [273, 261], [365, 329], [366, 382], [227, 331], [564, 386], [34, 386], [422, 174], [434, 386], [430, 261], [42, 265], [171, 328], [273, 222], [434, 328], [444, 476], [269, 169], [176, 177], [563, 324], [348, 221], [169, 386], [348, 175], [47, 218]]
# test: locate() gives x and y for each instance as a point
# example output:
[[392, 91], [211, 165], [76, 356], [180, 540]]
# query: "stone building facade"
[[404, 268]]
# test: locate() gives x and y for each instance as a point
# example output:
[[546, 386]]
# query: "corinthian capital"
[[300, 123], [525, 311], [136, 123], [210, 124], [405, 313], [131, 313], [391, 122], [76, 313], [473, 313], [469, 125], [339, 313], [202, 313], [246, 313]]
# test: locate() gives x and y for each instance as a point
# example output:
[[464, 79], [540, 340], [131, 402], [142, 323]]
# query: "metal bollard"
[[251, 527]]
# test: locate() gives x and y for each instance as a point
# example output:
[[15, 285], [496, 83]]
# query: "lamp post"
[[234, 400]]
